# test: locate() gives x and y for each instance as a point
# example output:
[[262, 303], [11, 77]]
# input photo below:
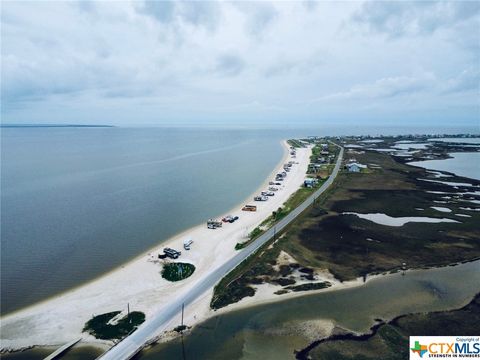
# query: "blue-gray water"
[[77, 202], [461, 164]]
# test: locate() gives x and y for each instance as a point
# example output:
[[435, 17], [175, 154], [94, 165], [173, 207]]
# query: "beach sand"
[[61, 319]]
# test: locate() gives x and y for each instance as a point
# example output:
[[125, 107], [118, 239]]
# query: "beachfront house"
[[314, 167], [309, 182]]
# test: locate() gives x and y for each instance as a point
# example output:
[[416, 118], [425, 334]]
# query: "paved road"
[[131, 345]]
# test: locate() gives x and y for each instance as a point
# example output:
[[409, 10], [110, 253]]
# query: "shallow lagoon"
[[462, 164], [473, 140], [271, 330]]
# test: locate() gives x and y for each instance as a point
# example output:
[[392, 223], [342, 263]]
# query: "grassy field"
[[295, 143], [98, 326], [177, 271], [392, 340], [350, 247]]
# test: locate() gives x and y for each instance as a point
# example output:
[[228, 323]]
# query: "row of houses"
[[317, 166]]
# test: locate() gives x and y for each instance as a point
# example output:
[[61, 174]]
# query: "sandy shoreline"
[[60, 319]]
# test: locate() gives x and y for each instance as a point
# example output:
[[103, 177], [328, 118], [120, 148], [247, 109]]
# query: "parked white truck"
[[187, 243]]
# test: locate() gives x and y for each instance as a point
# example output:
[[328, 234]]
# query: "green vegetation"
[[309, 286], [239, 246], [293, 201], [316, 150], [350, 247], [177, 271], [234, 292], [236, 284], [392, 340], [295, 143], [180, 328], [284, 282], [255, 233], [99, 325]]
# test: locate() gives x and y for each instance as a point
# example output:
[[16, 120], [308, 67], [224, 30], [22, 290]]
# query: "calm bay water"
[[274, 331], [77, 202]]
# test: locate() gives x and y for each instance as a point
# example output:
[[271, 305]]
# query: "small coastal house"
[[310, 182], [314, 167], [355, 167]]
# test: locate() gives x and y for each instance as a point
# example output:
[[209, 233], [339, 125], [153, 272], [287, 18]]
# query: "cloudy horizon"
[[258, 63]]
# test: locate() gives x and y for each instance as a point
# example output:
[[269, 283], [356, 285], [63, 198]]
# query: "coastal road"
[[131, 345]]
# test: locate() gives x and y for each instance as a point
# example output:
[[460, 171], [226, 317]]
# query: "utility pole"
[[128, 313], [183, 306], [183, 350]]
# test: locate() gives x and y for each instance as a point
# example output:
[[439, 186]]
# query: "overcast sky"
[[388, 63]]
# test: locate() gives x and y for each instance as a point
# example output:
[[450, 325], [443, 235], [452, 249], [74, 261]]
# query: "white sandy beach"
[[61, 319]]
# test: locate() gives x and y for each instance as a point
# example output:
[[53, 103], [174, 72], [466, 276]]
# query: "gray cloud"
[[383, 88], [163, 11], [198, 13], [87, 6], [261, 19], [396, 18], [303, 66], [259, 15], [229, 65], [280, 68], [467, 80], [204, 13], [310, 5]]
